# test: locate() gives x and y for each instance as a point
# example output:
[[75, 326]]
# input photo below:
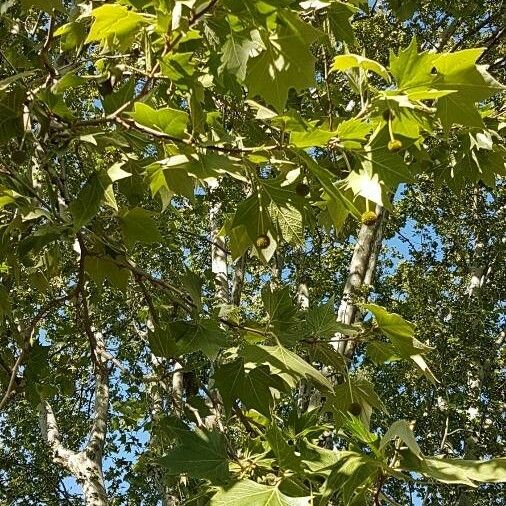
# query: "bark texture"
[[361, 272], [86, 465], [219, 267]]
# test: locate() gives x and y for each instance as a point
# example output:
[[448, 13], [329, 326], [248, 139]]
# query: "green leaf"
[[352, 471], [254, 494], [101, 268], [281, 310], [425, 73], [202, 454], [88, 200], [178, 67], [162, 343], [402, 430], [229, 380], [114, 25], [311, 138], [326, 180], [358, 391], [339, 15], [282, 360], [400, 331], [260, 390], [236, 52], [321, 322], [124, 94], [365, 183], [353, 129], [138, 225], [203, 335], [170, 121], [72, 35], [458, 71], [317, 459], [389, 167], [349, 61], [285, 63], [285, 208], [283, 452], [6, 82], [380, 352], [454, 471], [412, 70], [403, 9], [11, 111], [402, 335]]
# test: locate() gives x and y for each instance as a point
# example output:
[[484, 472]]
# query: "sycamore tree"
[[251, 252]]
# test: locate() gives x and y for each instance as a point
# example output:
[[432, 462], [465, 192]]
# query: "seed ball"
[[369, 218], [355, 409], [302, 189], [262, 241], [394, 145], [19, 156]]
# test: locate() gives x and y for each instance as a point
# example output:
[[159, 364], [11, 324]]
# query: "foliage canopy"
[[204, 299]]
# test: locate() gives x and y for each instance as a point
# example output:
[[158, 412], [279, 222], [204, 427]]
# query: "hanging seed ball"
[[262, 241], [302, 189], [369, 218], [19, 156], [355, 409], [394, 145]]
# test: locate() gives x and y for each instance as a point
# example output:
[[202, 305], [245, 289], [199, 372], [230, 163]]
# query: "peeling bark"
[[177, 389], [219, 267], [86, 465], [304, 387], [361, 272], [218, 253]]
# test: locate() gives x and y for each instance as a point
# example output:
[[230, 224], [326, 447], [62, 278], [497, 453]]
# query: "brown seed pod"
[[19, 156], [302, 189], [262, 241], [369, 218], [354, 409], [394, 145]]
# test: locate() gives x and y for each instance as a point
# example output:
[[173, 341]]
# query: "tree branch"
[[51, 434]]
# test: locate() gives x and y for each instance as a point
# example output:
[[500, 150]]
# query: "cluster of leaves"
[[121, 126]]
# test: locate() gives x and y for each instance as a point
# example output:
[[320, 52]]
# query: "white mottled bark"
[[304, 387], [219, 264], [219, 267], [303, 296], [177, 389], [86, 465], [361, 272]]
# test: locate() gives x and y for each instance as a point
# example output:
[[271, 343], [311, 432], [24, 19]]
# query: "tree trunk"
[[218, 252], [361, 272], [219, 267], [86, 465], [304, 387], [238, 282]]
